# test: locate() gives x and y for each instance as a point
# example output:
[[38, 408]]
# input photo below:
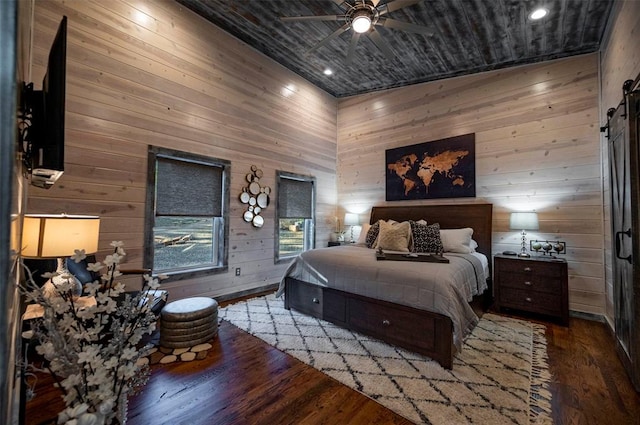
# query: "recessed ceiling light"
[[539, 13], [328, 71]]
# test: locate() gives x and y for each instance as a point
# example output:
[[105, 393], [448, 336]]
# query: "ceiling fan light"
[[361, 23]]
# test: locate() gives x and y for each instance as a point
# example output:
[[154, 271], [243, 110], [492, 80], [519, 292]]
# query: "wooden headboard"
[[454, 216]]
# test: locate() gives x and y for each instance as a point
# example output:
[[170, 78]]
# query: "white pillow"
[[457, 240], [473, 245], [362, 237]]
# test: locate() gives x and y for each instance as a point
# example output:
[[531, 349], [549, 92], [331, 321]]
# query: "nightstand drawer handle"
[[528, 299], [315, 301], [385, 322], [527, 269], [527, 283]]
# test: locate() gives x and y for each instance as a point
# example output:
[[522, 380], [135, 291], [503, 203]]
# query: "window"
[[295, 215], [187, 214]]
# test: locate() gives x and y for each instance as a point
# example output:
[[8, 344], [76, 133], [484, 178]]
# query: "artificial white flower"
[[106, 406], [95, 267], [78, 255], [93, 351]]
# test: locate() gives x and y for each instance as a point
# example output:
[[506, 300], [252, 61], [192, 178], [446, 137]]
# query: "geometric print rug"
[[500, 376]]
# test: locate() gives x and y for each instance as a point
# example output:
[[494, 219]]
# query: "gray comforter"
[[444, 288]]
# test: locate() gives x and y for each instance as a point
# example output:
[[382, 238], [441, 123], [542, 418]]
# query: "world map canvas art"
[[444, 168]]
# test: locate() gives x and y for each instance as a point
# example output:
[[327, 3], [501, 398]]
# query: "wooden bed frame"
[[394, 323]]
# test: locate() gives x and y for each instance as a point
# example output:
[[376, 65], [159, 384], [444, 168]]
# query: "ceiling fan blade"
[[312, 18], [396, 5], [352, 47], [403, 26], [381, 44], [342, 4], [330, 37]]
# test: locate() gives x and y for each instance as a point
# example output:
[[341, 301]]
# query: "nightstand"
[[536, 285], [338, 243]]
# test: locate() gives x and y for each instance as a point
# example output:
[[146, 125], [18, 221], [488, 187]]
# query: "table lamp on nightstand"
[[351, 219], [58, 236], [524, 221]]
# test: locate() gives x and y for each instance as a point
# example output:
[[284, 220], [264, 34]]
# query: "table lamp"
[[351, 219], [58, 236], [524, 221]]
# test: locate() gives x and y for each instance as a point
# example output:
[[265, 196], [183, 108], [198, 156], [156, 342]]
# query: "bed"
[[421, 306]]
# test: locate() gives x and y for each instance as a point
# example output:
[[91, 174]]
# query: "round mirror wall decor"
[[244, 197], [258, 221], [255, 197]]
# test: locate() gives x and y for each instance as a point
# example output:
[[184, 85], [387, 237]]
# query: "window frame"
[[312, 243], [222, 247]]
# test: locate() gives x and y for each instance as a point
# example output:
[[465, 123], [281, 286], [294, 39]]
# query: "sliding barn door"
[[624, 165]]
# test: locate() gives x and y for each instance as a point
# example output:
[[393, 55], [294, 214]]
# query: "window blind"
[[188, 188], [295, 198]]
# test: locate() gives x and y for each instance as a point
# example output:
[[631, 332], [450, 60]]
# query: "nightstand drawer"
[[538, 302], [531, 282], [528, 268]]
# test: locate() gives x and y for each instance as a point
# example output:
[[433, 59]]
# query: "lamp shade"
[[351, 219], [524, 221], [53, 236]]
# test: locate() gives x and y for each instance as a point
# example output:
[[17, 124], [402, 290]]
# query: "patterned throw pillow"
[[372, 234], [426, 238], [394, 236]]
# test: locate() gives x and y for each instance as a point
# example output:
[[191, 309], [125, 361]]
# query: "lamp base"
[[52, 288]]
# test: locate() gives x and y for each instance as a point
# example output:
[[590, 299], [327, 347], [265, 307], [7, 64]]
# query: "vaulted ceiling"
[[467, 36]]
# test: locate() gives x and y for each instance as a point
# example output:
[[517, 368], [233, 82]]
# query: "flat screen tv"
[[44, 147]]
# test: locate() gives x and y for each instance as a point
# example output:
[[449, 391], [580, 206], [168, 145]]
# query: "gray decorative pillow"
[[372, 234], [426, 238]]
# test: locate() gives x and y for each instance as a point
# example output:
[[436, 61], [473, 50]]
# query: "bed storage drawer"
[[416, 330], [305, 298], [398, 325]]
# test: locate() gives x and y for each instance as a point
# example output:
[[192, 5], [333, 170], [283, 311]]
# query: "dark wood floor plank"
[[589, 384], [244, 380]]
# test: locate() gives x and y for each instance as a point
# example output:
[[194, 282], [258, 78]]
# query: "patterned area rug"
[[500, 377]]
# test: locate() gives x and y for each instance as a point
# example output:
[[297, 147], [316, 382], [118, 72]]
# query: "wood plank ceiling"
[[468, 36]]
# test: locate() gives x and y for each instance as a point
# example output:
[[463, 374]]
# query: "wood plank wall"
[[145, 73], [537, 148], [619, 61]]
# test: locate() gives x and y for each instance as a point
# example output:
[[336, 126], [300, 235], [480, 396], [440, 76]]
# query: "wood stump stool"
[[188, 322]]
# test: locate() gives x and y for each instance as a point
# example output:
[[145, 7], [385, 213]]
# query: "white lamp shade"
[[524, 221], [53, 236], [351, 219]]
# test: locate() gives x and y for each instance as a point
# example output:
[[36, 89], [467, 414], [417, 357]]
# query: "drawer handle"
[[527, 283], [385, 322], [527, 269], [315, 301], [528, 299]]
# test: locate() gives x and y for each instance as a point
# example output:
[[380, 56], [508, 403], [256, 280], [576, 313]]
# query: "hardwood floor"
[[590, 385], [245, 381]]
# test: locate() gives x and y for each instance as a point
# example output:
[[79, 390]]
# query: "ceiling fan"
[[362, 16]]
